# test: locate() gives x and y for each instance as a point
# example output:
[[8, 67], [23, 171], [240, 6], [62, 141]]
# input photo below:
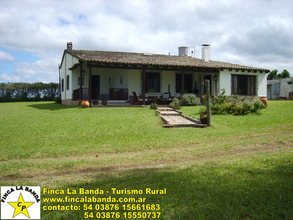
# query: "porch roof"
[[134, 60]]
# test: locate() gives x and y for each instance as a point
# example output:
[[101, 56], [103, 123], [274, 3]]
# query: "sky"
[[34, 33]]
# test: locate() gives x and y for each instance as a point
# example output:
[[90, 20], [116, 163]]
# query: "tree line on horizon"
[[38, 91]]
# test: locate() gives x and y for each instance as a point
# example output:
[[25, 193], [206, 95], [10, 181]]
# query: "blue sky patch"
[[63, 22]]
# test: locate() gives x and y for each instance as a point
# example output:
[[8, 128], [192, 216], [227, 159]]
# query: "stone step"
[[165, 109], [169, 113], [179, 121]]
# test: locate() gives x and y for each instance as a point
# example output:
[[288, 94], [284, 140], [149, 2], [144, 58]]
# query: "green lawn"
[[241, 167]]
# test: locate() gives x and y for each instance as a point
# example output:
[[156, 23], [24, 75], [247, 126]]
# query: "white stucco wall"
[[225, 81], [134, 81], [62, 77], [262, 84], [67, 62], [285, 88], [168, 78], [116, 81]]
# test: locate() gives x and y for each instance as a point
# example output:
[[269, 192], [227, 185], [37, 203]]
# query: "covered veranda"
[[144, 97]]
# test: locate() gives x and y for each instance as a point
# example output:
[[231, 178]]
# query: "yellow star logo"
[[20, 206]]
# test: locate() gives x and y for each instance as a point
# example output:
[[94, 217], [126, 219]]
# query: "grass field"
[[241, 167]]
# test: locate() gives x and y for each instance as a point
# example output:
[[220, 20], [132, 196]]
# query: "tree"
[[28, 91], [274, 75], [51, 90], [284, 74]]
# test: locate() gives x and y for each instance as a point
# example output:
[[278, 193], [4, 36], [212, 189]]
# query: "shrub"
[[219, 98], [239, 110], [153, 105], [219, 109], [175, 104], [216, 109], [57, 99], [189, 100], [258, 105], [204, 99], [247, 105], [202, 110], [258, 112], [236, 108]]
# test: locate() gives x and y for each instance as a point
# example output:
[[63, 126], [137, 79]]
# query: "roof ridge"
[[105, 51], [155, 59]]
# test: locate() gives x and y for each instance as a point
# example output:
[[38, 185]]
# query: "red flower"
[[214, 98], [203, 100]]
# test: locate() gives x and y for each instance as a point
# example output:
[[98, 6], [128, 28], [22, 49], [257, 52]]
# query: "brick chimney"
[[69, 46]]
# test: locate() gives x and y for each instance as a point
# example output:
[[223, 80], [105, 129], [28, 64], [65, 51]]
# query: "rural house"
[[94, 75], [280, 88]]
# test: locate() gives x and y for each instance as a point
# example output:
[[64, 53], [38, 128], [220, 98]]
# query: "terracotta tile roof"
[[109, 57]]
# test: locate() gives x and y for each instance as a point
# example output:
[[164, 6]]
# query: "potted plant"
[[104, 100], [203, 118]]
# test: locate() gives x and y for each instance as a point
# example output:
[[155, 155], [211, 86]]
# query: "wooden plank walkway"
[[173, 118]]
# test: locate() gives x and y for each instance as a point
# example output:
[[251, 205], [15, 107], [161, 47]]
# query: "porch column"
[[143, 86], [80, 82], [90, 83], [182, 82]]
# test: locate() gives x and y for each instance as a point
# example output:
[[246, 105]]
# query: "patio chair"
[[167, 98], [138, 99], [151, 99]]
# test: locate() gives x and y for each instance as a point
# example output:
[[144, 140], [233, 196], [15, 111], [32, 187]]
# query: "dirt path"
[[146, 159]]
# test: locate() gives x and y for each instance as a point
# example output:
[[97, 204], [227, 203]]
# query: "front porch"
[[137, 85], [114, 94]]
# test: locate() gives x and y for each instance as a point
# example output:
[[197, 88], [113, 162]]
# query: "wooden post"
[[182, 82], [90, 83], [80, 85], [208, 102], [143, 86]]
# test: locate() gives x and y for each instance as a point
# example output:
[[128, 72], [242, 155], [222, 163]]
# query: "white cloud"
[[6, 56], [255, 32], [7, 78], [46, 68]]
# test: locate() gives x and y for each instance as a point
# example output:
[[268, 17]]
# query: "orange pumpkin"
[[85, 104]]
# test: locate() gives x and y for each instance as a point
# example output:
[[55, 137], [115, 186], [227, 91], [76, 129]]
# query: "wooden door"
[[95, 87]]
